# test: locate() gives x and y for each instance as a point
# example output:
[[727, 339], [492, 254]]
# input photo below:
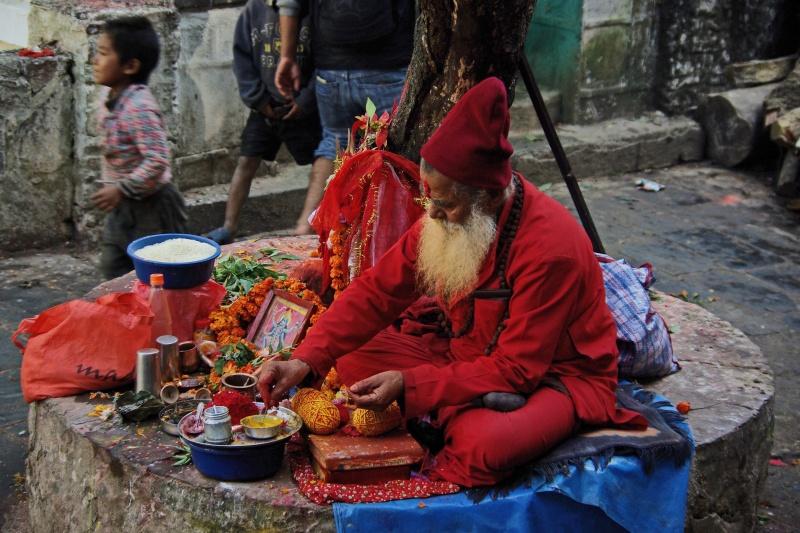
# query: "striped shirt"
[[135, 151]]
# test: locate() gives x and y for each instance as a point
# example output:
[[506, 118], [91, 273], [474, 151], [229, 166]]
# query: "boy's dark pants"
[[162, 212]]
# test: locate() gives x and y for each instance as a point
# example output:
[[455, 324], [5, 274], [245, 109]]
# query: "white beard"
[[451, 255]]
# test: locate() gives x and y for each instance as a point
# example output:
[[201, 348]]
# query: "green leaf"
[[246, 285], [370, 108], [182, 460], [275, 255], [239, 275]]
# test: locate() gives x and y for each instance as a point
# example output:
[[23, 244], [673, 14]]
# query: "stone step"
[[523, 115], [604, 149], [611, 147], [274, 202]]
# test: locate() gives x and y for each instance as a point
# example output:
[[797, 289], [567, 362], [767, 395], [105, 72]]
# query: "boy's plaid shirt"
[[135, 151]]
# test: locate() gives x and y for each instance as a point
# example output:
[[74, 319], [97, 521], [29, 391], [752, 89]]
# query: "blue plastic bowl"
[[176, 275], [237, 463]]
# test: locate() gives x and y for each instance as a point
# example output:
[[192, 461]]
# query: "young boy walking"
[[273, 120], [136, 186]]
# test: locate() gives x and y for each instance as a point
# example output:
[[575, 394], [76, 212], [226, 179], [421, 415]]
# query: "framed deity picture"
[[281, 321]]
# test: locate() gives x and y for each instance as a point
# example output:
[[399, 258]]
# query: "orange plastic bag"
[[187, 305], [81, 346]]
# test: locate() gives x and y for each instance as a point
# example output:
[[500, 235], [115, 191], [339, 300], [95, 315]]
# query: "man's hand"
[[266, 110], [294, 112], [378, 391], [277, 377], [287, 77], [107, 198]]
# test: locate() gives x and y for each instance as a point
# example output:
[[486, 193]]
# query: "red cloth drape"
[[375, 194]]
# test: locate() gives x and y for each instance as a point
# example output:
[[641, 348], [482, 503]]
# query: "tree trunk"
[[457, 44], [733, 121]]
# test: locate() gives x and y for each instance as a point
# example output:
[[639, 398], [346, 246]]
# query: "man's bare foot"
[[303, 228]]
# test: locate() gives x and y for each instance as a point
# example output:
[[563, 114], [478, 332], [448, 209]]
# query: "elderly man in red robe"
[[524, 301]]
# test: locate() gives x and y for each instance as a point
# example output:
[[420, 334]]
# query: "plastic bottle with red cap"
[[159, 306]]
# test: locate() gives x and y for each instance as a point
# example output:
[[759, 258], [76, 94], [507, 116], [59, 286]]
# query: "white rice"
[[176, 251]]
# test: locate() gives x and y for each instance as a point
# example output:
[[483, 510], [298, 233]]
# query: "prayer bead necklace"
[[507, 235]]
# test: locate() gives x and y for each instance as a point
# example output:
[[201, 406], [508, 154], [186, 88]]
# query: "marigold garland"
[[229, 323], [337, 261]]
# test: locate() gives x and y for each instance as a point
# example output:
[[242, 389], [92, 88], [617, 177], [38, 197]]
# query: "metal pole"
[[558, 151]]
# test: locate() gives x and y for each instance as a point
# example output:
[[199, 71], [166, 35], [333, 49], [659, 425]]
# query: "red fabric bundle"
[[375, 194]]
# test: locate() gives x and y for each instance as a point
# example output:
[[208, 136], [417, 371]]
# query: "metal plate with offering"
[[244, 458]]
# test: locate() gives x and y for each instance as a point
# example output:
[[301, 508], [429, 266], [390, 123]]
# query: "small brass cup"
[[241, 382]]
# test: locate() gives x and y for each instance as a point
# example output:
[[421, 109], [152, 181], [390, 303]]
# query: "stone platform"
[[86, 474]]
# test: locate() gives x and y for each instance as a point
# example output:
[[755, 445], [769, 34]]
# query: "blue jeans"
[[342, 95]]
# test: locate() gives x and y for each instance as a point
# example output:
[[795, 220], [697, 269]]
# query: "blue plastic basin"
[[237, 463], [176, 275]]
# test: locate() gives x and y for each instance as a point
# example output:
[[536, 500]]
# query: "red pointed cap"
[[471, 144]]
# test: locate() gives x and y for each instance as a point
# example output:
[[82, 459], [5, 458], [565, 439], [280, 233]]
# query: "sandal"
[[220, 236]]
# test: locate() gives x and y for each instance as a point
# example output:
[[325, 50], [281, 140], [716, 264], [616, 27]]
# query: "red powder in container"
[[239, 405]]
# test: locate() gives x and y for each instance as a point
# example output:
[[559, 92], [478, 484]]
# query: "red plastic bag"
[[187, 305], [80, 346]]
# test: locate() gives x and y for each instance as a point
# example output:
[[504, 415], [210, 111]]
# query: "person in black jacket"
[[273, 119], [361, 50]]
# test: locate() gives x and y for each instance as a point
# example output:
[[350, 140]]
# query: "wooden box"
[[364, 460]]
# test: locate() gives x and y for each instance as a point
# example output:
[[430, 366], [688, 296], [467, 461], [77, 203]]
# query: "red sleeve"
[[369, 304], [539, 312]]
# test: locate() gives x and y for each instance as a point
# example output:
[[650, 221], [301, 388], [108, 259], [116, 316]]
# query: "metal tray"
[[293, 425]]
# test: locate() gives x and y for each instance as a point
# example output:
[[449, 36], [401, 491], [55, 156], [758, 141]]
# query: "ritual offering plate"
[[244, 458]]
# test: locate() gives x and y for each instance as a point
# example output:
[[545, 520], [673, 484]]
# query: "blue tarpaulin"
[[617, 497]]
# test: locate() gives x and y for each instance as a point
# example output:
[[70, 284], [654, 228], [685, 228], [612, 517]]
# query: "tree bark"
[[457, 44]]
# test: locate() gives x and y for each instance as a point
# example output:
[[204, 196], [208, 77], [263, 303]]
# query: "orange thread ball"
[[329, 394], [301, 395], [318, 413], [373, 423]]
